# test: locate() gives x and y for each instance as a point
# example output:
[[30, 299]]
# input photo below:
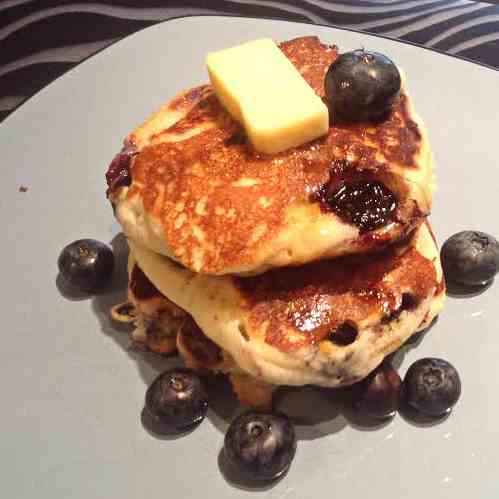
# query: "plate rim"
[[215, 477], [258, 18]]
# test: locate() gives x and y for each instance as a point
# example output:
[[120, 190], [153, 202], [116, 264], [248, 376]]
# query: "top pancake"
[[200, 194]]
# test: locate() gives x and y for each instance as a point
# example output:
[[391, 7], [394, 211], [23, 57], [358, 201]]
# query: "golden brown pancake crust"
[[236, 198], [316, 301]]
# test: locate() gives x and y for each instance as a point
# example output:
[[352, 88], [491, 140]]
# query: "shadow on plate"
[[315, 412], [114, 293], [224, 405]]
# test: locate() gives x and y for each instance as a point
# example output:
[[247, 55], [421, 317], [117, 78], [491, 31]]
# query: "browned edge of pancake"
[[193, 186]]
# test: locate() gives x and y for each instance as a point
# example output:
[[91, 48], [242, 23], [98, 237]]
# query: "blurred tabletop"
[[42, 39]]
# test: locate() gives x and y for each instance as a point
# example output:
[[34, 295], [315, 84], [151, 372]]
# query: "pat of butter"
[[260, 88]]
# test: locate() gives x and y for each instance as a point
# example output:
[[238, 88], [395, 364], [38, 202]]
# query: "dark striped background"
[[41, 39]]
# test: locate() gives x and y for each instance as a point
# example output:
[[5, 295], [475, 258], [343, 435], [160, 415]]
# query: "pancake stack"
[[306, 267]]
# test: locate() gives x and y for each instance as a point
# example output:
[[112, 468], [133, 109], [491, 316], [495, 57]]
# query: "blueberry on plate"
[[377, 396], [176, 401], [432, 386], [470, 258], [86, 264], [260, 446], [362, 85]]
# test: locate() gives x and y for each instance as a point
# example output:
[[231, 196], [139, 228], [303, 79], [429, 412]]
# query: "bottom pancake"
[[327, 323]]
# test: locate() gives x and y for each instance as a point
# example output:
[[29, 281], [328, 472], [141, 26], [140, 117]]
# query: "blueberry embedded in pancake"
[[327, 323], [201, 195]]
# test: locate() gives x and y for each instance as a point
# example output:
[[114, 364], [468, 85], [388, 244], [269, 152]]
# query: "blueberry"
[[260, 446], [176, 401], [86, 264], [118, 172], [432, 386], [377, 396], [362, 85], [470, 258], [368, 205]]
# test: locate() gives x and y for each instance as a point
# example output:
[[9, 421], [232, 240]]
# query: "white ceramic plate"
[[71, 386]]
